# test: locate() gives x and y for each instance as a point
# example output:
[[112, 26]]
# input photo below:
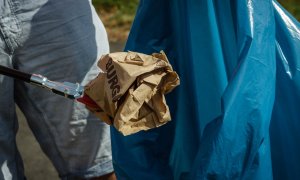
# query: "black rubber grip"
[[15, 73]]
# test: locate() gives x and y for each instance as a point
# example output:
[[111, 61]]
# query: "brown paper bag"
[[130, 91]]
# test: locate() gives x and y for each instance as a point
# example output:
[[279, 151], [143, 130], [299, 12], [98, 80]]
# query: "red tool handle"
[[87, 101]]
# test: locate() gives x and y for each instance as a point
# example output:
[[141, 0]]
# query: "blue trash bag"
[[236, 113], [285, 122]]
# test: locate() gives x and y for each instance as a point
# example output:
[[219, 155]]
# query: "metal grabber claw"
[[66, 89]]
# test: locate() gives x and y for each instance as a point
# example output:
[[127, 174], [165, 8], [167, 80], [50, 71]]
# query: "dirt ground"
[[37, 165]]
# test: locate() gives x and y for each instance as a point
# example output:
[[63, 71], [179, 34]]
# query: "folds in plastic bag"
[[235, 115]]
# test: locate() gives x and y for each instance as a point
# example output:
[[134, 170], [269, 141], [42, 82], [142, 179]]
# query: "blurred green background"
[[293, 6], [117, 15]]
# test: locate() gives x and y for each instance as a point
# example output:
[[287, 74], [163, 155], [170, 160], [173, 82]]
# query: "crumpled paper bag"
[[130, 90]]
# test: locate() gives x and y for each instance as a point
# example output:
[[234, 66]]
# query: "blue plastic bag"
[[236, 113]]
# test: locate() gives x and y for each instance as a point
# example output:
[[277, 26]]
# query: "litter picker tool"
[[66, 89]]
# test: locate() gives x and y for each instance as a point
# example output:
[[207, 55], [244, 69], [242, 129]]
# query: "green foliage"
[[128, 7], [293, 6], [123, 11], [124, 6]]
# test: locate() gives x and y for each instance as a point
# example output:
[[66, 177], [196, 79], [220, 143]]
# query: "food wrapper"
[[130, 90]]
